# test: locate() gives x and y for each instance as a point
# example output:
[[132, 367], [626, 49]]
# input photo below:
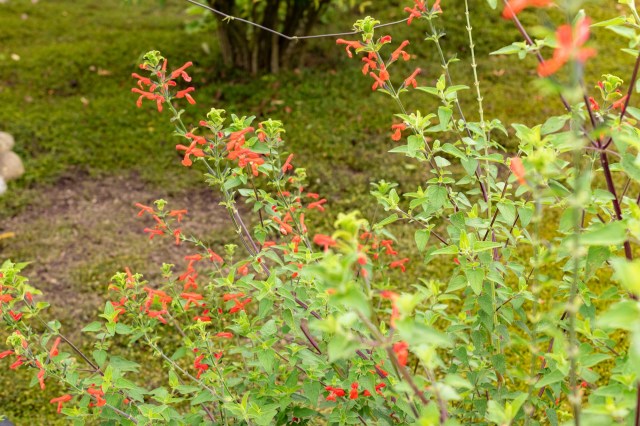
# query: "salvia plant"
[[538, 322]]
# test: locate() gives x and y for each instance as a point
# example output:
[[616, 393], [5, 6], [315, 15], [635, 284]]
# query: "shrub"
[[298, 326]]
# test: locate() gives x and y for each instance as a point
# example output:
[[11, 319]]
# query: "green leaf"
[[627, 273], [630, 166], [422, 238], [93, 327], [475, 278], [479, 246], [623, 315], [452, 249], [612, 233], [553, 124], [492, 3], [202, 397], [508, 212], [550, 378]]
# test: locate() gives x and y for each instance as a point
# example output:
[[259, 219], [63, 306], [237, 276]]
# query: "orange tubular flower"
[[60, 400], [178, 214], [144, 209], [153, 232], [369, 63], [400, 52], [54, 349], [317, 205], [225, 335], [191, 298], [214, 257], [516, 6], [570, 42], [325, 241], [399, 264], [402, 353], [188, 151], [398, 128], [287, 164], [185, 94], [619, 104], [350, 45], [6, 353], [353, 394], [232, 296], [180, 72], [517, 168], [411, 80], [593, 104]]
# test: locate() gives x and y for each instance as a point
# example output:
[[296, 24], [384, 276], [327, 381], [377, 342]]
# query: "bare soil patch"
[[83, 230]]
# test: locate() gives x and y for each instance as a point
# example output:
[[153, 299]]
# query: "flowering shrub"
[[298, 326]]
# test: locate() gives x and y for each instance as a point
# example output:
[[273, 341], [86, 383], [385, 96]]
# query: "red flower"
[[177, 234], [387, 244], [516, 6], [353, 394], [178, 214], [334, 393], [399, 51], [517, 168], [350, 44], [619, 104], [180, 72], [153, 232], [17, 363], [232, 296], [225, 335], [436, 6], [379, 388], [414, 13], [325, 241], [401, 352], [144, 209], [191, 298], [98, 394], [380, 78], [185, 94], [188, 151], [570, 42], [60, 400], [317, 205], [411, 80], [6, 353], [593, 104], [5, 298], [54, 349], [148, 95], [398, 128], [142, 80], [16, 317], [369, 63], [399, 264], [41, 374], [239, 305], [200, 140], [287, 164], [214, 257]]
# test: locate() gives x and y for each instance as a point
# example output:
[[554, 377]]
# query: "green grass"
[[74, 122]]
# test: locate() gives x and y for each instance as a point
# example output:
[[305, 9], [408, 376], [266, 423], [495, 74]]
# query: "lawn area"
[[90, 154]]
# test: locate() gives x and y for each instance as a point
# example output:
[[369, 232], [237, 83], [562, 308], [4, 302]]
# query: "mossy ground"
[[90, 153]]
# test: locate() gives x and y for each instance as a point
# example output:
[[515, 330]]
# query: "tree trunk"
[[255, 50]]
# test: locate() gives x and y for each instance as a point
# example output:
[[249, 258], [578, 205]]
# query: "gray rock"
[[6, 142], [10, 165]]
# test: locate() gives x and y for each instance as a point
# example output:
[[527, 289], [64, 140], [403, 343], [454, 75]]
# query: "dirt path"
[[82, 231]]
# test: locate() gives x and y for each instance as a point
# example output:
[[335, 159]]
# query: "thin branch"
[[279, 34]]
